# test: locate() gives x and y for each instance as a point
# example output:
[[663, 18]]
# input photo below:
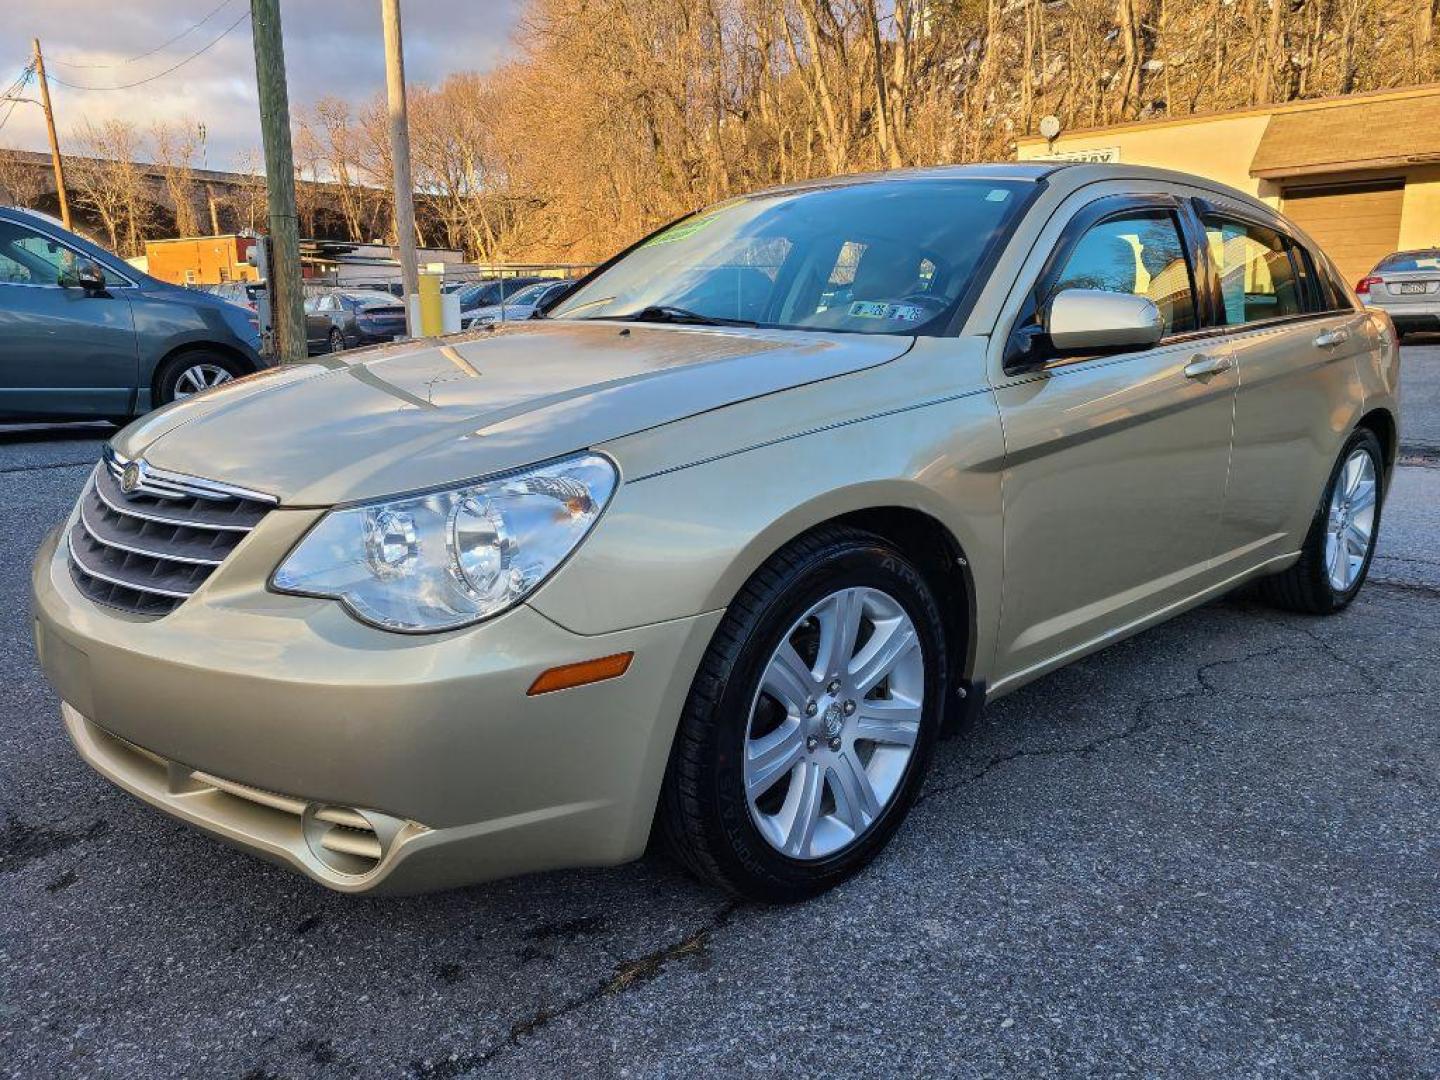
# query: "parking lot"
[[1208, 850]]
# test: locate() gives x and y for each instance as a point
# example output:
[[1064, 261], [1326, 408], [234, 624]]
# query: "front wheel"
[[1341, 542], [191, 373], [811, 722]]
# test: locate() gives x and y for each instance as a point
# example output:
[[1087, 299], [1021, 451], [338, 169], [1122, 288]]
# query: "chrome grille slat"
[[113, 534], [240, 515], [148, 550]]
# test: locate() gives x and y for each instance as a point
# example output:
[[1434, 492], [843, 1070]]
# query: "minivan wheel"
[[811, 721], [190, 373], [1341, 542]]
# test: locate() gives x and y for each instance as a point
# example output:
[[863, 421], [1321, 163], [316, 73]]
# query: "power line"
[[13, 93], [158, 75], [151, 52]]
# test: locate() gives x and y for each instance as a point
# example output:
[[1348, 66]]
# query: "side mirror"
[[90, 277], [1081, 321]]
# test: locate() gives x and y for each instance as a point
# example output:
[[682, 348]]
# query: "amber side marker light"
[[569, 676]]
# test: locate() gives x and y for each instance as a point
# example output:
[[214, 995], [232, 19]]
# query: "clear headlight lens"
[[450, 558]]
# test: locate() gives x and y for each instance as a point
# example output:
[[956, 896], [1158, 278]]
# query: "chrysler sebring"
[[717, 548]]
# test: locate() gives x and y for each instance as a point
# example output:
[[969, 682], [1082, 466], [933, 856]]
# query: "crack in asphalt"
[[46, 465], [626, 976]]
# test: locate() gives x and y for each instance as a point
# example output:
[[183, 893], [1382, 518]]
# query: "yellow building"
[[1361, 173]]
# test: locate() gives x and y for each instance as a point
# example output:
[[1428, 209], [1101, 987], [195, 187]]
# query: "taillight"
[[1362, 287]]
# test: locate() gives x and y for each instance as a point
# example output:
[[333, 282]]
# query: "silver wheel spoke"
[[789, 680], [839, 630], [887, 646], [855, 801], [771, 757], [893, 722], [807, 794]]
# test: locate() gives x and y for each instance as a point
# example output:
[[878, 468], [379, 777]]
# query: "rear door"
[[65, 352], [1295, 338], [1115, 465]]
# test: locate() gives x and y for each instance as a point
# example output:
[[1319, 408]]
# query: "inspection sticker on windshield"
[[873, 309]]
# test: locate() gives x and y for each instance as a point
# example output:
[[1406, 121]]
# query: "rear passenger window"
[[1141, 254], [1257, 278]]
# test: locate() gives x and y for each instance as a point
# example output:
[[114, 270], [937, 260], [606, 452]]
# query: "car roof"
[[1067, 175]]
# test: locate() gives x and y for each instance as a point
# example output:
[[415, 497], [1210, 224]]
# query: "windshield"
[[891, 257]]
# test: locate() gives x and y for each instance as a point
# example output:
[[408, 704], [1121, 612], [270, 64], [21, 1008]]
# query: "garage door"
[[1356, 225]]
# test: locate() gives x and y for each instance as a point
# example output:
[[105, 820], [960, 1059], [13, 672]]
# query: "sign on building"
[[1100, 154]]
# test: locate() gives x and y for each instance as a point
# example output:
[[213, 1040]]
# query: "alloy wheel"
[[834, 723], [199, 377], [1350, 524]]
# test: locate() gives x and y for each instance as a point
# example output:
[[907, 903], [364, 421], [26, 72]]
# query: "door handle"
[[1328, 339], [1202, 364]]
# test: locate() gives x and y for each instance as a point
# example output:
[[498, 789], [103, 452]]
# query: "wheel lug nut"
[[849, 708], [811, 708], [835, 743], [834, 686], [811, 743]]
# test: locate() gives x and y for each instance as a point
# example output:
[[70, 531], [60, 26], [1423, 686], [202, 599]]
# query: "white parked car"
[[520, 306]]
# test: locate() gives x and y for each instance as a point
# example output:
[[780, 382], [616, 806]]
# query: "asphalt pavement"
[[1210, 850]]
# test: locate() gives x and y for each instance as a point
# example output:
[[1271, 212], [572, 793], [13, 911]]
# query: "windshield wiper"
[[665, 313]]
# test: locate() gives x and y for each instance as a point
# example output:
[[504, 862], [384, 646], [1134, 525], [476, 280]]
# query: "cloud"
[[333, 48]]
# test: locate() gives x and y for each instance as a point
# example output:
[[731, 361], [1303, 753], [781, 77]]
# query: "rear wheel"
[[811, 722], [1341, 542], [189, 373]]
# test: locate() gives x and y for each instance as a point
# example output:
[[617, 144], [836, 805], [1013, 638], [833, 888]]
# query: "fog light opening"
[[348, 841]]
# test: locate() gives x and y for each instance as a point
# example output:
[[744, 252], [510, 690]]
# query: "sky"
[[332, 47]]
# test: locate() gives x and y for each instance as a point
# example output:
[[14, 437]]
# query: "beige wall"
[[1420, 216], [1220, 148]]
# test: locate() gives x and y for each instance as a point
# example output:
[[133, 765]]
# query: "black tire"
[[337, 341], [704, 815], [168, 377], [1306, 586]]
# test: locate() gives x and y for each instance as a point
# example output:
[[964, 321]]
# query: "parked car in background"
[[520, 305], [482, 294], [244, 293], [715, 551], [338, 319], [84, 335], [1406, 286]]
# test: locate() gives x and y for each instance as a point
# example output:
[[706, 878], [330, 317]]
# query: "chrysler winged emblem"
[[132, 477]]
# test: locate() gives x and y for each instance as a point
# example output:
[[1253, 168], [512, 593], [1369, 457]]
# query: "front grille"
[[146, 550]]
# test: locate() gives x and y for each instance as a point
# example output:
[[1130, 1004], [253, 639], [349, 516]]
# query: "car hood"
[[420, 414]]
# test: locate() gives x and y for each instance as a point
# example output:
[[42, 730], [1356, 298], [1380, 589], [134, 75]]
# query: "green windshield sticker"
[[873, 309], [683, 231]]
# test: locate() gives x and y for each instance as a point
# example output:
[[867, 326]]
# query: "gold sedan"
[[725, 541]]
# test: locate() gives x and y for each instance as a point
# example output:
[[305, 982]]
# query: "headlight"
[[450, 558]]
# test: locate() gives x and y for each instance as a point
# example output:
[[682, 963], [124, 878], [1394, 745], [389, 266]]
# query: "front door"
[[1114, 478], [65, 352]]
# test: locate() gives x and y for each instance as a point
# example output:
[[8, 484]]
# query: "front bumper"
[[431, 739]]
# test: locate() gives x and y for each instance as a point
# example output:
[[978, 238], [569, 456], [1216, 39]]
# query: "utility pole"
[[287, 297], [54, 142], [400, 156]]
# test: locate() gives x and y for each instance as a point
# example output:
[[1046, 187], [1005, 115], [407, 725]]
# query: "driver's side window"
[[28, 258], [1139, 253]]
